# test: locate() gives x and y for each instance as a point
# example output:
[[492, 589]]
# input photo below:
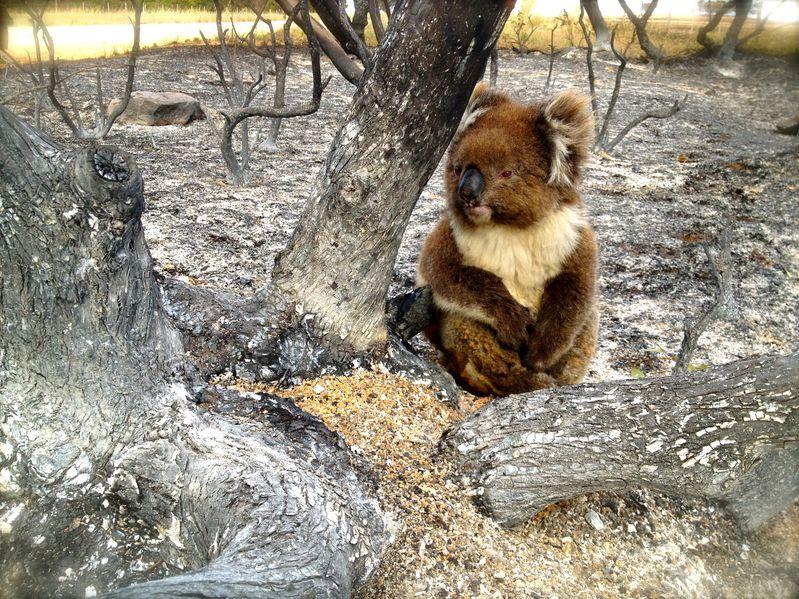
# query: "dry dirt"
[[668, 188]]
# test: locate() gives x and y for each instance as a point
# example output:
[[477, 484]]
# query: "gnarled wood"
[[731, 433], [110, 474]]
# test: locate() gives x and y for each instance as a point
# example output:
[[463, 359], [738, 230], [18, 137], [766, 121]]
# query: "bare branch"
[[138, 7], [702, 35], [759, 28], [377, 21], [622, 58], [640, 23], [650, 114], [721, 269], [589, 60], [551, 56]]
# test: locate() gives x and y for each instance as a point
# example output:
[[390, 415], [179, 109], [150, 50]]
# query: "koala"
[[512, 263]]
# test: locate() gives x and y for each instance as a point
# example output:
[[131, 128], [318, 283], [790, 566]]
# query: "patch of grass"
[[92, 16], [677, 37]]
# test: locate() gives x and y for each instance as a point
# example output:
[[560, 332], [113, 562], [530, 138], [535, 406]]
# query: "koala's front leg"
[[567, 302], [472, 292]]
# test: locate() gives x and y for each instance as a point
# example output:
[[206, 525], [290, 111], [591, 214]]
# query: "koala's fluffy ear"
[[568, 124], [483, 97]]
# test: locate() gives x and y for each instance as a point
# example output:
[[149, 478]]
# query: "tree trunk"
[[731, 433], [338, 264], [713, 22], [337, 22], [360, 18], [348, 68], [110, 474], [742, 8], [640, 23], [601, 33]]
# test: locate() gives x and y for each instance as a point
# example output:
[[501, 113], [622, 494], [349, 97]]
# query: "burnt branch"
[[721, 268], [650, 114], [614, 97], [328, 44], [377, 20], [241, 98], [759, 28], [104, 120], [551, 56], [589, 59], [640, 23], [702, 35]]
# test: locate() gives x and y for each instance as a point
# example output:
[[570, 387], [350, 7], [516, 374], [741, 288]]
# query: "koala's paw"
[[538, 358], [513, 333]]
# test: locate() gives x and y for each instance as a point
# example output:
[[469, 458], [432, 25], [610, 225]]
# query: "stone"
[[594, 520], [789, 126], [159, 108]]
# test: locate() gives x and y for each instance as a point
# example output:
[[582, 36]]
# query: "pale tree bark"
[[338, 264], [601, 32], [731, 433], [110, 474]]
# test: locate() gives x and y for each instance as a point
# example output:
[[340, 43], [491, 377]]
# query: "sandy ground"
[[669, 188]]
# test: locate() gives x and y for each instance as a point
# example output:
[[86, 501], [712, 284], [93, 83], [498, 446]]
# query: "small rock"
[[318, 389], [631, 528], [90, 592], [594, 520], [499, 575], [159, 108], [789, 126]]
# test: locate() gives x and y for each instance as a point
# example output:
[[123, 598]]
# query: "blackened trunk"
[[109, 473], [742, 8], [338, 264]]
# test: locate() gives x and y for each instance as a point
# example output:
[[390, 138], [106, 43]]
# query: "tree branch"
[[721, 270], [729, 433]]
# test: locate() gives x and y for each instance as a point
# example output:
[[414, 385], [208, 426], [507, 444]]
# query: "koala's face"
[[514, 164]]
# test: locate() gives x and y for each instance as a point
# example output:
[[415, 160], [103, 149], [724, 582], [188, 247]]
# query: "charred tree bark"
[[334, 16], [348, 68], [731, 433], [601, 32], [742, 8], [731, 41], [337, 266], [110, 474], [640, 23]]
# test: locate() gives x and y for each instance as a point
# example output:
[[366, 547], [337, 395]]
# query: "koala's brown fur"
[[512, 264]]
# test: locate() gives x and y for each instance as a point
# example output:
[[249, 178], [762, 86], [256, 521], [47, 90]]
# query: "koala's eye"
[[505, 174], [457, 168]]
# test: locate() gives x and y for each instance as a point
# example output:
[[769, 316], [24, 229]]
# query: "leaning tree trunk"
[[110, 474], [601, 33], [727, 50], [731, 433], [338, 264]]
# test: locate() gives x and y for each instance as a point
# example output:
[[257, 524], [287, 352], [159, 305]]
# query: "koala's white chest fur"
[[525, 259]]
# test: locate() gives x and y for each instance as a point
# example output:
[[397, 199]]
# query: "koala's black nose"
[[471, 185]]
